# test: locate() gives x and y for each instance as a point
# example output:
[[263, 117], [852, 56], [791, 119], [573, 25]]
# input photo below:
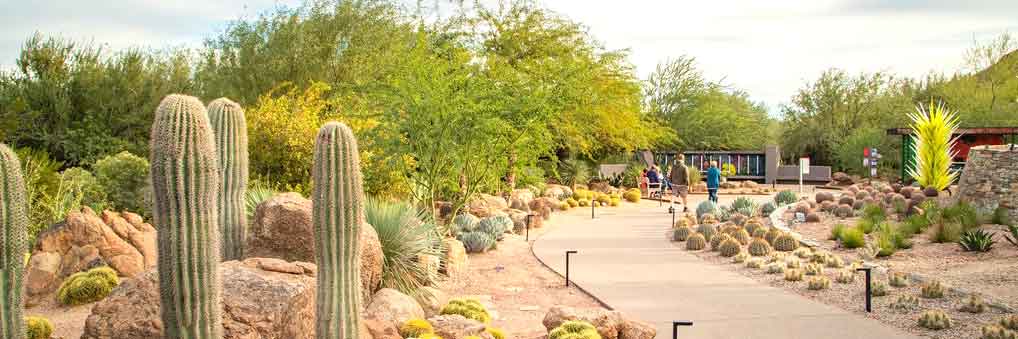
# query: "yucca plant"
[[976, 240], [405, 236], [256, 194], [934, 127]]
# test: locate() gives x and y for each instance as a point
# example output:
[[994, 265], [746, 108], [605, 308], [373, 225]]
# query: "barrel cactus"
[[681, 233], [759, 247], [844, 276], [932, 290], [696, 242], [793, 262], [742, 236], [738, 218], [814, 269], [37, 328], [14, 219], [415, 328], [230, 128], [934, 320], [185, 182], [740, 258], [1009, 322], [709, 218], [729, 247], [707, 230], [772, 234], [752, 225], [785, 243], [973, 304], [715, 242], [775, 268], [997, 332], [803, 253], [898, 279], [835, 261], [761, 233], [468, 308], [683, 222], [819, 283], [793, 274], [878, 288], [574, 329], [338, 218]]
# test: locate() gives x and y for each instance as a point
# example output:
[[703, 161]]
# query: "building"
[[967, 139], [761, 166]]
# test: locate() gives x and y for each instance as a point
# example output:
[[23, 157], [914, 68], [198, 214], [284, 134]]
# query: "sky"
[[769, 49]]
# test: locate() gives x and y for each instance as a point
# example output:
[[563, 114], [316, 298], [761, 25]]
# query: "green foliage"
[[1012, 234], [874, 213], [934, 128], [256, 194], [866, 225], [767, 208], [87, 287], [465, 222], [946, 232], [694, 175], [495, 226], [13, 224], [852, 237], [38, 328], [184, 173], [727, 170], [41, 181], [914, 224], [1000, 216], [976, 240], [405, 235], [124, 177], [742, 203], [786, 197], [847, 153], [574, 329], [836, 231], [415, 328], [468, 308], [963, 212]]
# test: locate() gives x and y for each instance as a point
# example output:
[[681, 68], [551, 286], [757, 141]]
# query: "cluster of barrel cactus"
[[932, 290], [759, 247], [707, 230], [998, 332], [715, 242], [462, 223], [681, 233], [803, 253], [729, 247], [574, 329], [476, 241], [468, 308], [741, 236], [785, 243], [819, 283], [696, 242], [88, 287], [415, 328], [793, 274], [934, 320], [973, 304]]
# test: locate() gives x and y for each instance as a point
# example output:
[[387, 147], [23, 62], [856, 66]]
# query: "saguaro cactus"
[[13, 218], [185, 179], [227, 119], [338, 217]]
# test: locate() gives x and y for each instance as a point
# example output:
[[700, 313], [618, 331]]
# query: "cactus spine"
[[185, 180], [338, 218], [13, 217], [227, 119]]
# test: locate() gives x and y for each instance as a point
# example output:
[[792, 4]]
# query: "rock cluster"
[[990, 179], [609, 324]]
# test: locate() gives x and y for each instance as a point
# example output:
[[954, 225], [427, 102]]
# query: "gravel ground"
[[850, 297]]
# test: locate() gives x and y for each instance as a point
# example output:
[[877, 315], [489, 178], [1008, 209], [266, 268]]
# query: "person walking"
[[713, 181], [679, 176]]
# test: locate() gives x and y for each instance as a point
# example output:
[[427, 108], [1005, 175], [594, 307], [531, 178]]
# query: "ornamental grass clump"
[[934, 128]]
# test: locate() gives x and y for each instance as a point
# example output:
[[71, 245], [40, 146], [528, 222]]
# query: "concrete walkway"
[[627, 262]]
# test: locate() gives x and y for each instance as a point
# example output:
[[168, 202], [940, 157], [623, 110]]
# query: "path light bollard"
[[869, 287], [592, 202], [675, 327], [567, 266], [529, 216], [672, 211]]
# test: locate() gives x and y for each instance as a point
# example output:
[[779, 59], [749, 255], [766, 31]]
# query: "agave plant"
[[976, 240], [934, 127], [406, 236]]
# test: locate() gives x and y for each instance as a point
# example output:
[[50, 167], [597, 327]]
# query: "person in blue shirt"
[[653, 180], [713, 181]]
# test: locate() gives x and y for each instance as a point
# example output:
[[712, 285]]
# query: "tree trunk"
[[510, 177]]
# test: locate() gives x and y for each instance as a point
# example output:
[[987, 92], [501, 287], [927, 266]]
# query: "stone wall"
[[990, 179]]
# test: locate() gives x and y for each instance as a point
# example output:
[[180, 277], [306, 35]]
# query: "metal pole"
[[869, 288], [529, 216], [592, 202], [567, 266], [675, 327]]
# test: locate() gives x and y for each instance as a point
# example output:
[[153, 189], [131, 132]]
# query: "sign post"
[[803, 170]]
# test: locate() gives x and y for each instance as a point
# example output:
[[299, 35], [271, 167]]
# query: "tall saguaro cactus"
[[338, 217], [185, 180], [227, 119], [13, 218]]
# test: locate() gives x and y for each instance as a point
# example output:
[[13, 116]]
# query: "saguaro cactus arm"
[[227, 119], [13, 219]]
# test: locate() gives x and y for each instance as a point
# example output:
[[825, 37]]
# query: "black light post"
[[567, 266], [675, 327], [869, 288], [592, 202], [529, 216]]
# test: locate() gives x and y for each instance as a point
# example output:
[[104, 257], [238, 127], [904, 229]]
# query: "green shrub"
[[415, 328], [949, 231], [1000, 216], [468, 308], [866, 225], [836, 231], [915, 224], [1012, 234], [963, 213], [976, 240], [741, 203], [786, 197], [38, 328], [41, 180], [574, 329], [256, 194], [852, 238], [405, 236], [84, 184], [874, 213], [87, 287], [124, 177]]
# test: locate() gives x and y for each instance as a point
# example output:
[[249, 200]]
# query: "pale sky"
[[768, 48]]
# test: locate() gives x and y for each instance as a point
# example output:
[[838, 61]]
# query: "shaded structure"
[[967, 139]]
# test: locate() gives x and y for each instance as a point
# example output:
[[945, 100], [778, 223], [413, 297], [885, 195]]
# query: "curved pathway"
[[626, 261]]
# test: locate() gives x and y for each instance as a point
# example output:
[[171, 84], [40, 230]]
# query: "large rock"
[[486, 205], [557, 191], [455, 326], [431, 300], [520, 199], [456, 259], [393, 306], [520, 221], [282, 229], [266, 298], [543, 206], [842, 178], [609, 324], [84, 240]]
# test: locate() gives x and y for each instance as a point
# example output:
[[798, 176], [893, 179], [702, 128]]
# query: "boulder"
[[85, 240], [601, 186], [373, 328], [431, 300], [260, 303], [635, 329], [520, 221], [749, 184], [443, 209], [282, 229], [609, 324], [455, 326], [521, 198], [485, 205], [728, 185], [455, 257], [557, 191], [393, 306], [842, 178], [543, 206]]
